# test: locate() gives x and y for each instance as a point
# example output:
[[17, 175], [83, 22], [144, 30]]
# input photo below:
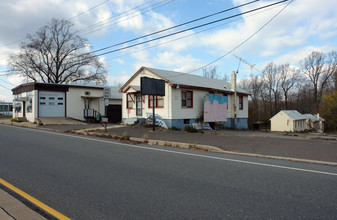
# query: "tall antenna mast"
[[252, 66]]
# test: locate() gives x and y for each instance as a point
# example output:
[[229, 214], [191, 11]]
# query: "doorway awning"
[[22, 99], [91, 97]]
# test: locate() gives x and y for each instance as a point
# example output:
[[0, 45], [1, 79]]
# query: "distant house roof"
[[314, 118], [191, 81], [295, 115], [311, 117], [115, 94]]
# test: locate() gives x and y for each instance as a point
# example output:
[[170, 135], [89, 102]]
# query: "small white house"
[[183, 103], [288, 120], [37, 100]]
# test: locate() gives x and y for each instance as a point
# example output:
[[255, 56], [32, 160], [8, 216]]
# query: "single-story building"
[[6, 108], [314, 122], [37, 100], [288, 120], [183, 103]]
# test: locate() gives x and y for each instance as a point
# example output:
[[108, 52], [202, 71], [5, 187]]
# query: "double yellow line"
[[36, 202]]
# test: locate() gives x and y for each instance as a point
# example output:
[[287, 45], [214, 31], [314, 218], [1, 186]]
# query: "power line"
[[7, 82], [95, 6], [88, 10], [5, 87], [188, 29], [89, 29], [179, 38], [179, 25], [239, 45]]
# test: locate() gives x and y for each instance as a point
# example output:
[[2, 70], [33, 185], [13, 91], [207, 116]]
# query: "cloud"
[[175, 61], [132, 23], [294, 27], [142, 58], [5, 95], [16, 79], [121, 78], [294, 57], [17, 18]]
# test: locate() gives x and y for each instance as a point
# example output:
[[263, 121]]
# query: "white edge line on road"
[[183, 153]]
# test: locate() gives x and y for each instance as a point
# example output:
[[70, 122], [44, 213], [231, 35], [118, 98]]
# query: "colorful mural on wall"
[[215, 108]]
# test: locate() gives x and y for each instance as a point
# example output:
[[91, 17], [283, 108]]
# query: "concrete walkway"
[[11, 208]]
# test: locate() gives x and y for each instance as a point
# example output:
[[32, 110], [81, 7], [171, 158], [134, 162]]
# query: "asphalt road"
[[88, 178]]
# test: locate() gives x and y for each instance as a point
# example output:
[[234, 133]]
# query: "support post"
[[153, 113]]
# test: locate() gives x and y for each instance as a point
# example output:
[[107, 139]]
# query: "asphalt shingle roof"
[[292, 114], [311, 117], [194, 80], [115, 94]]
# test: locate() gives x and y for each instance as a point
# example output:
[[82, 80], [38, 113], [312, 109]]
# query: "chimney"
[[233, 81]]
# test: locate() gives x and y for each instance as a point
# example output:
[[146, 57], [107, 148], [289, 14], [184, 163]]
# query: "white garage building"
[[38, 100]]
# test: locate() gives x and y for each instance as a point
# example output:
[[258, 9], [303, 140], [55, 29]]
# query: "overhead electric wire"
[[5, 87], [179, 25], [95, 6], [90, 29], [179, 38], [7, 82], [188, 29], [8, 44], [88, 10], [239, 45], [102, 21]]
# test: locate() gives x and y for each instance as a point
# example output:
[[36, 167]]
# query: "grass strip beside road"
[[34, 201]]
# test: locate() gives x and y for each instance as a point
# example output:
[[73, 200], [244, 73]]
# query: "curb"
[[219, 150], [202, 148], [36, 206]]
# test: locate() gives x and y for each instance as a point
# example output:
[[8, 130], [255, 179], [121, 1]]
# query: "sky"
[[285, 33]]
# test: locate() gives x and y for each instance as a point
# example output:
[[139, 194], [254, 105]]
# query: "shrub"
[[191, 129], [175, 128], [16, 120]]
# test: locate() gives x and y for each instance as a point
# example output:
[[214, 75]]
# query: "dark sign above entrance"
[[150, 86]]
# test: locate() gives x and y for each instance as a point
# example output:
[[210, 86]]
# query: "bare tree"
[[254, 86], [288, 77], [210, 72], [319, 68], [272, 84], [56, 55]]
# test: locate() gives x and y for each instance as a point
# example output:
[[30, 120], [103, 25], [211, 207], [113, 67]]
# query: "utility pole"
[[234, 75]]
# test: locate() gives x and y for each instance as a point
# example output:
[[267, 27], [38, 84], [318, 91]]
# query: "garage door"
[[51, 104]]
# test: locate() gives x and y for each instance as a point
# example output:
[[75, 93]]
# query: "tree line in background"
[[309, 88]]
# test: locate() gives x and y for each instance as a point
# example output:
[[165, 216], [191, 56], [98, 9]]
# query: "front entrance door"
[[139, 111]]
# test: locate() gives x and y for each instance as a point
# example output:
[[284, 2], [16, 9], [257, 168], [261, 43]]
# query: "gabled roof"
[[314, 118], [295, 115], [190, 81], [136, 88], [115, 94], [311, 117]]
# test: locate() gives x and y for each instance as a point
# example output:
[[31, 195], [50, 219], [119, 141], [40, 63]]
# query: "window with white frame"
[[187, 99]]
